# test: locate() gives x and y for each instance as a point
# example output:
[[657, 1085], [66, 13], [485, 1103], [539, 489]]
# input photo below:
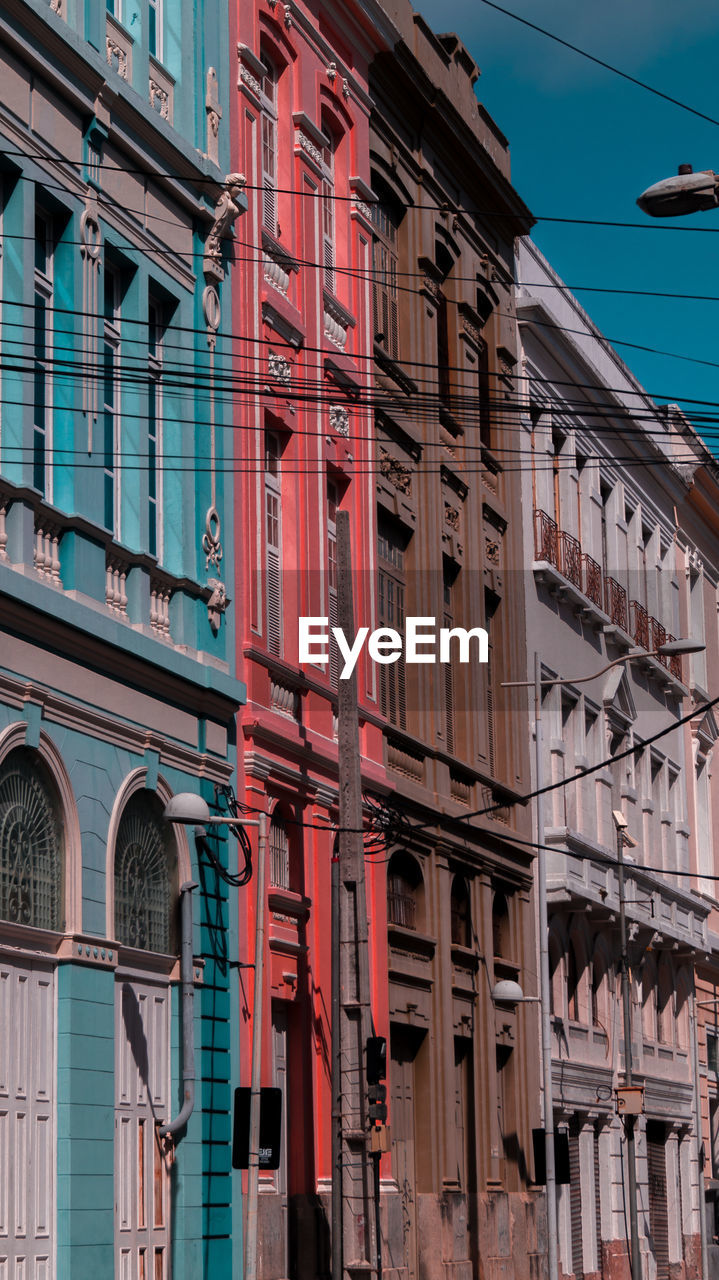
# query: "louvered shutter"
[[658, 1217], [269, 174], [598, 1200], [274, 602], [575, 1205]]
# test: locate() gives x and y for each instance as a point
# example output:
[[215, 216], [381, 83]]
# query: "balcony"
[[579, 578]]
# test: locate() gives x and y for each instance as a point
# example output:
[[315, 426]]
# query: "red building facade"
[[304, 448]]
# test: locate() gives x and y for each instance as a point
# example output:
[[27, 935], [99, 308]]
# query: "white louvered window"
[[268, 97], [273, 543], [328, 208]]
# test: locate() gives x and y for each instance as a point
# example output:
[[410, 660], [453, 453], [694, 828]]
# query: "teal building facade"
[[117, 684]]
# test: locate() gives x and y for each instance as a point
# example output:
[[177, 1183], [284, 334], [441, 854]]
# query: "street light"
[[672, 648], [688, 192], [189, 809]]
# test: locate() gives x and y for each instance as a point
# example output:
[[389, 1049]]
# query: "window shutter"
[[274, 602], [329, 260]]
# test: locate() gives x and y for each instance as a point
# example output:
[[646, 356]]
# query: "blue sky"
[[585, 143]]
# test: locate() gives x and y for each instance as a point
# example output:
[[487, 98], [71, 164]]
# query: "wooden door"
[[404, 1044], [142, 1074], [27, 1121]]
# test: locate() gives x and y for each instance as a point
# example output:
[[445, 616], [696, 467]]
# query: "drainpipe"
[[253, 1174], [187, 985]]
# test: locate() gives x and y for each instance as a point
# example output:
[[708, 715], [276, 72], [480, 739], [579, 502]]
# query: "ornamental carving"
[[159, 99], [116, 57], [56, 6], [214, 115], [308, 145], [227, 210], [345, 89], [218, 602], [451, 517], [288, 16], [211, 540], [251, 81], [397, 473], [280, 368], [339, 420], [491, 552], [332, 72], [364, 209]]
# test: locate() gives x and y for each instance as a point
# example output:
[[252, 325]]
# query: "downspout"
[[694, 1030], [187, 986]]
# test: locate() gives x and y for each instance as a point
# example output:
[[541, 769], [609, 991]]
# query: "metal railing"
[[564, 552]]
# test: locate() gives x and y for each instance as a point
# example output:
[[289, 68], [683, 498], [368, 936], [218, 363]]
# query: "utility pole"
[[620, 822], [544, 986], [351, 1014]]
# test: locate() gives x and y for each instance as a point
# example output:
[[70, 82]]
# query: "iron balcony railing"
[[564, 552]]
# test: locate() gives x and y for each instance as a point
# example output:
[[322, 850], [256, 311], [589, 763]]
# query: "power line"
[[641, 84]]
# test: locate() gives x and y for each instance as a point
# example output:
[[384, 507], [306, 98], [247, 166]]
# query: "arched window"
[[460, 911], [146, 889], [404, 892], [279, 853], [31, 844]]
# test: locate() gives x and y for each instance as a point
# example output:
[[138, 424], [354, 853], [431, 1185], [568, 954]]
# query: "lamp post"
[[688, 192], [673, 648]]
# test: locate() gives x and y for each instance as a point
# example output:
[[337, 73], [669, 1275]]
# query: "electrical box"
[[379, 1138], [630, 1100], [270, 1129]]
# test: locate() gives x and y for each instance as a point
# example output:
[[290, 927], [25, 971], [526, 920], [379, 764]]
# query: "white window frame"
[[44, 285], [327, 211], [268, 130], [157, 7], [272, 516], [112, 340], [155, 505]]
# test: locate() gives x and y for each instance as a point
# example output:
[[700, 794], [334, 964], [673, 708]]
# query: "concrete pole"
[[629, 1121], [544, 988], [700, 1143], [253, 1173], [355, 1020]]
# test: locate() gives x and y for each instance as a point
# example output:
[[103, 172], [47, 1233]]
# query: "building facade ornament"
[[251, 81], [308, 145], [218, 602], [226, 211], [397, 473], [213, 111], [280, 368], [159, 99], [339, 420], [116, 57], [211, 539]]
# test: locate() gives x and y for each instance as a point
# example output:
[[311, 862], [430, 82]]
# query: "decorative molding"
[[56, 6], [218, 602], [211, 540], [214, 115], [332, 72], [308, 145], [451, 517], [345, 88], [159, 99], [160, 596], [339, 420], [117, 57], [397, 473], [116, 584], [227, 210], [275, 272], [362, 207], [251, 81], [280, 368], [46, 557], [288, 16]]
